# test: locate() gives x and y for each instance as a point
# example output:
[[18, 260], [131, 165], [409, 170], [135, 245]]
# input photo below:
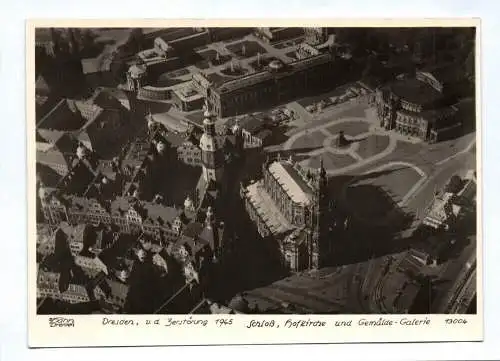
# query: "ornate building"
[[291, 205], [417, 107], [278, 83], [212, 154]]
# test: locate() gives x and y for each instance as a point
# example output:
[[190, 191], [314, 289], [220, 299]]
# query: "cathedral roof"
[[291, 181]]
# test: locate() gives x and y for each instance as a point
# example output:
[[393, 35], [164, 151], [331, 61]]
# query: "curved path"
[[351, 150]]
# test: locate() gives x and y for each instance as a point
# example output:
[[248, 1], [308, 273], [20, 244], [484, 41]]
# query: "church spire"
[[322, 170]]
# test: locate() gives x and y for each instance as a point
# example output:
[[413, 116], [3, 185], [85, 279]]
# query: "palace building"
[[291, 205], [279, 83]]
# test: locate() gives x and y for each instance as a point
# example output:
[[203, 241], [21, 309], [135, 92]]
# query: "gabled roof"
[[113, 98], [51, 156], [291, 181], [96, 65], [64, 116]]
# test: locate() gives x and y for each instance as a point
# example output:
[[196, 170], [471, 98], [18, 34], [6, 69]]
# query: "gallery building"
[[279, 83]]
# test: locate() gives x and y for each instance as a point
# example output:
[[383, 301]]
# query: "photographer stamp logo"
[[240, 178], [61, 322]]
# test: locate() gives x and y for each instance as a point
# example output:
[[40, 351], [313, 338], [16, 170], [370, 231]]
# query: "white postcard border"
[[89, 330]]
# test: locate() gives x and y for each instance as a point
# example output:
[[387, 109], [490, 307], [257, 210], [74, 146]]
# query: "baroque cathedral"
[[291, 206]]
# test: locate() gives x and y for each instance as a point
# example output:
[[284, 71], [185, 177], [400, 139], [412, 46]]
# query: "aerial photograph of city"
[[292, 170]]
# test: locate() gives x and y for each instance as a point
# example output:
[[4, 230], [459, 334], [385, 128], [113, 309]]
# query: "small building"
[[254, 130], [443, 210], [186, 98], [201, 84]]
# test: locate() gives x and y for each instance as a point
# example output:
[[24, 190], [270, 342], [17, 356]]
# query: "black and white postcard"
[[220, 182]]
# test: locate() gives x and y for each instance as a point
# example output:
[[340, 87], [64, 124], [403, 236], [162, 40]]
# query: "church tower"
[[321, 237], [212, 155]]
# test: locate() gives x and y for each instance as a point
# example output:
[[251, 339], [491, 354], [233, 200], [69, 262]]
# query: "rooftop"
[[113, 98], [291, 181], [252, 123], [443, 73], [41, 86], [158, 212], [64, 116], [185, 92], [267, 210], [174, 34], [265, 75], [415, 91], [170, 122], [98, 64], [50, 155]]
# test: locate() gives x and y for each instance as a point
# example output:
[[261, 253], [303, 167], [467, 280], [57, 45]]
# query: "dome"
[[188, 203], [81, 151]]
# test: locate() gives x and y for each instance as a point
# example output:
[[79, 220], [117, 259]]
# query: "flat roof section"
[[415, 91]]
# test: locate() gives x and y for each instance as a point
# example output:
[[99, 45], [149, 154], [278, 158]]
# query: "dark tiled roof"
[[193, 229], [415, 91], [64, 116], [160, 212], [118, 288], [111, 98], [52, 156], [175, 140], [444, 73], [292, 172], [252, 124], [176, 34], [41, 86]]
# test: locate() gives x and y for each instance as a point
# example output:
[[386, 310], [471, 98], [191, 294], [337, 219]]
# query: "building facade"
[[416, 107], [277, 84]]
